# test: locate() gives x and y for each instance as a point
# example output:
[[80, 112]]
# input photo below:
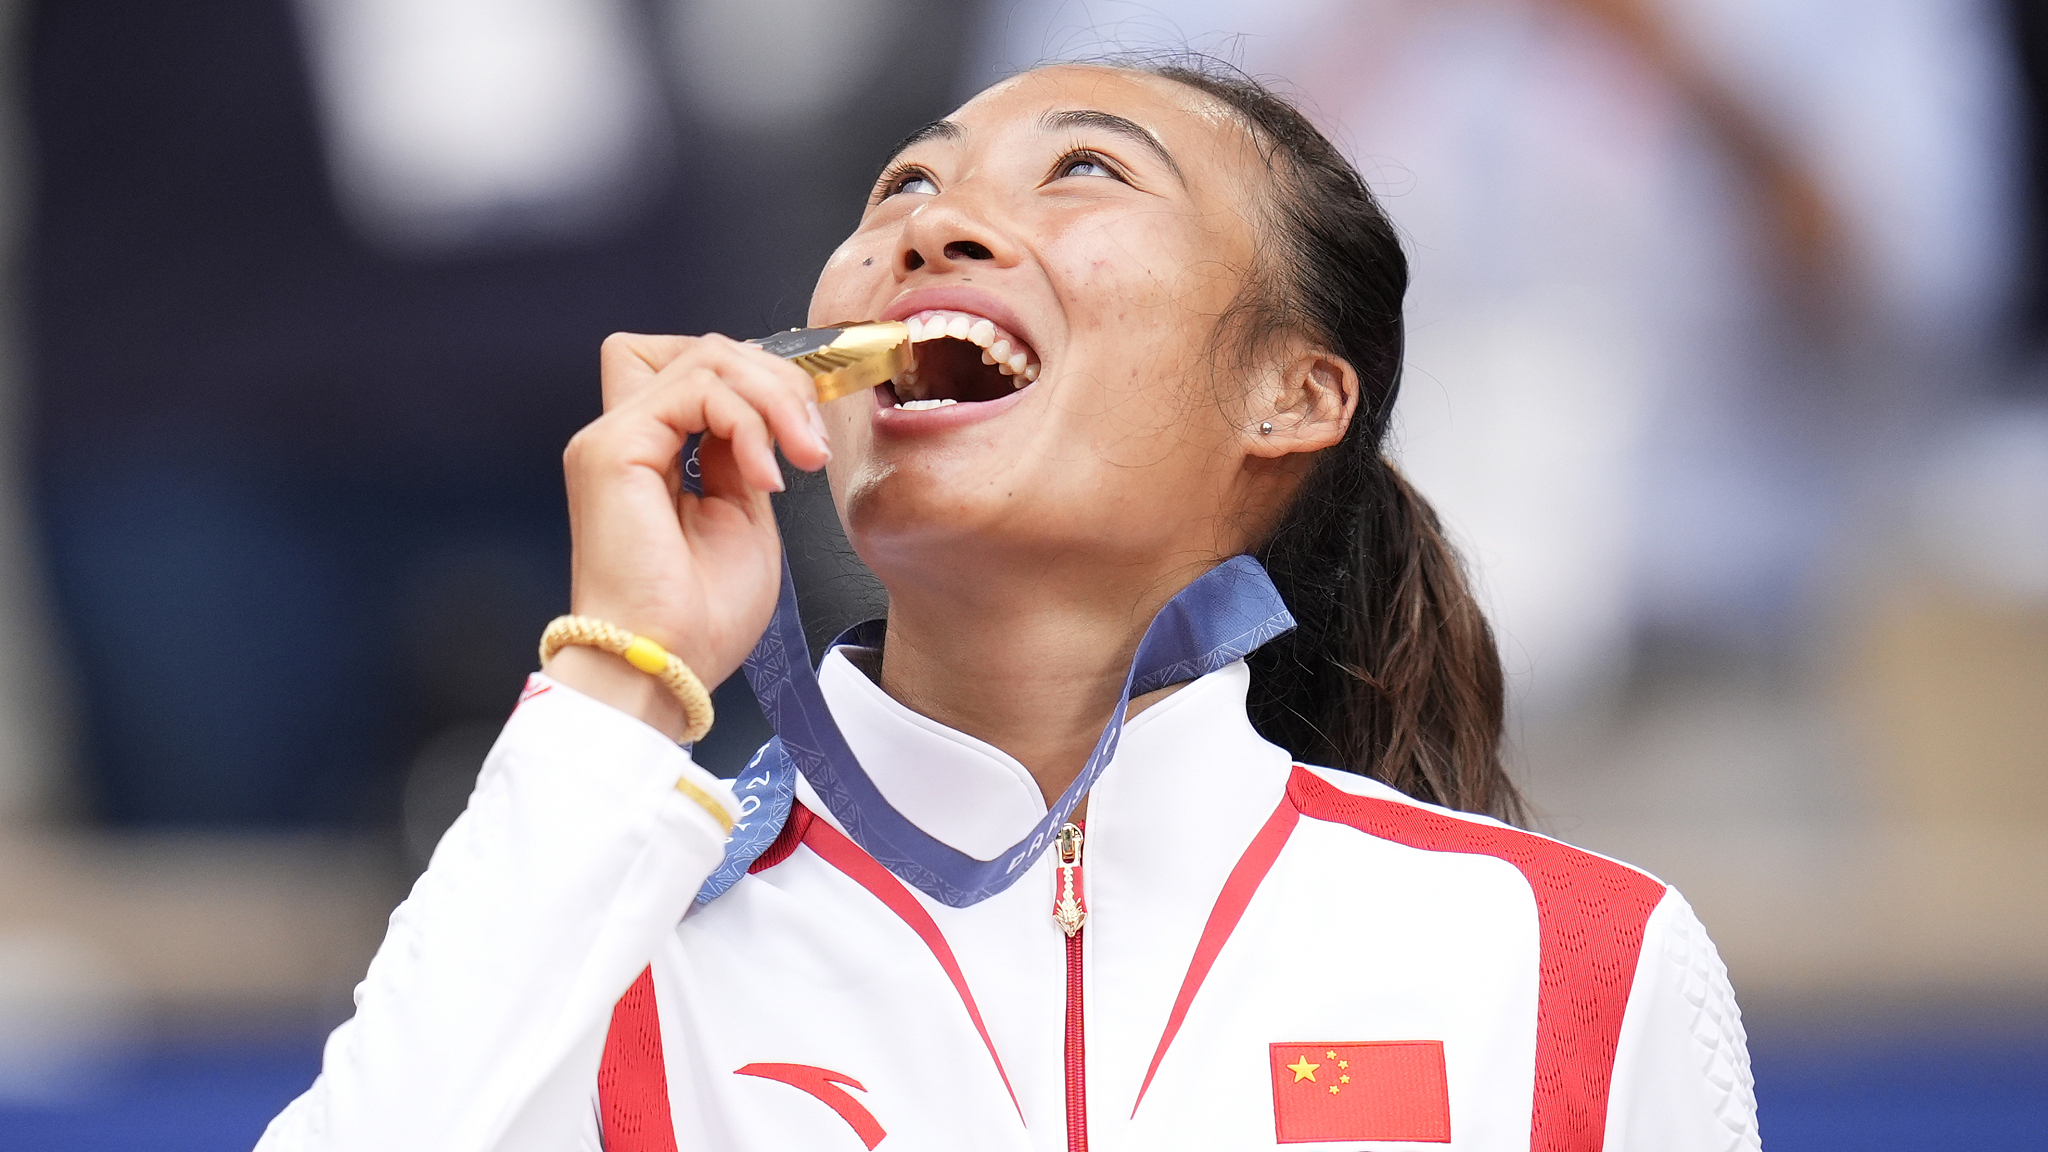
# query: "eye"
[[1083, 162], [915, 181]]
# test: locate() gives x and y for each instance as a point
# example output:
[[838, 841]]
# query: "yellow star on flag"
[[1303, 1070]]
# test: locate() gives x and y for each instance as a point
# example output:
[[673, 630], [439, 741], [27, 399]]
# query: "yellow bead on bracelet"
[[641, 653], [647, 656]]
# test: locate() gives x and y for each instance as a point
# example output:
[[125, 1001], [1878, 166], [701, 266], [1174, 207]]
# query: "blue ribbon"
[[1221, 617]]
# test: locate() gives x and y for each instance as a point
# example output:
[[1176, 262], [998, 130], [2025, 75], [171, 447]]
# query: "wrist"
[[640, 620], [609, 679]]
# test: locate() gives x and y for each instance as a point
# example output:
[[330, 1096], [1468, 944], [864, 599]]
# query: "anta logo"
[[1377, 1090], [824, 1084]]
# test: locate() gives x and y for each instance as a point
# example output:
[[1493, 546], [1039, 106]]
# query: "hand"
[[696, 574]]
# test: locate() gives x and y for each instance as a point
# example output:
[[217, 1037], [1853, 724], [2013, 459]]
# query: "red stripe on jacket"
[[1590, 915], [843, 854], [632, 1079]]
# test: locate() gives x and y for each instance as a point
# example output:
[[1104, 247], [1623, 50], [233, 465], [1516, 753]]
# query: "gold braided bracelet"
[[641, 653]]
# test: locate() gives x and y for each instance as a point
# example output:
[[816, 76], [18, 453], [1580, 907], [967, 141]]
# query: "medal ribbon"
[[1221, 617]]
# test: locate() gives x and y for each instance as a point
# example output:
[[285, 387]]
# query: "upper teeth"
[[997, 347]]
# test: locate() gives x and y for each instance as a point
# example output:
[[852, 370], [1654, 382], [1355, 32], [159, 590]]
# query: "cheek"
[[1156, 263], [1139, 376], [1144, 295], [848, 279]]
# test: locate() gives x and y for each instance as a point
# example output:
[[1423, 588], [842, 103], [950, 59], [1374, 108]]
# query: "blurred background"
[[1729, 367]]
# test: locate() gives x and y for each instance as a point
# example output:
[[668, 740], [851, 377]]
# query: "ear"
[[1308, 399]]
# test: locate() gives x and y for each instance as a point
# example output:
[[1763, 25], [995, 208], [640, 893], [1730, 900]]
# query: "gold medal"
[[845, 358]]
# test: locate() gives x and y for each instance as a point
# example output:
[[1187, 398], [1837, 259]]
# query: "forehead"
[[1090, 83], [1197, 129]]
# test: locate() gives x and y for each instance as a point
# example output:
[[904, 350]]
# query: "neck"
[[1032, 672]]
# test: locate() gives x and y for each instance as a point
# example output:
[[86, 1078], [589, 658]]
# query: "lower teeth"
[[924, 405]]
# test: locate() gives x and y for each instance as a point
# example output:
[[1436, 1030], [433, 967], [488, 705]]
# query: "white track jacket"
[[1271, 955]]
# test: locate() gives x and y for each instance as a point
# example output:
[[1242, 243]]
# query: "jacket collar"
[[1179, 756]]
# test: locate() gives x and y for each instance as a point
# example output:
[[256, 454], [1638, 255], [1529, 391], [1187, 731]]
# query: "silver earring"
[[1266, 428]]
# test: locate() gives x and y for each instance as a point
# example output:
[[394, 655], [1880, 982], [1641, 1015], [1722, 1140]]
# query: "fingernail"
[[818, 426], [779, 485]]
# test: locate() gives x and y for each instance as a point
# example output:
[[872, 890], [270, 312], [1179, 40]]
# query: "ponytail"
[[1393, 672]]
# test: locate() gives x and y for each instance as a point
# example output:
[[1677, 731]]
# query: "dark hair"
[[1393, 672]]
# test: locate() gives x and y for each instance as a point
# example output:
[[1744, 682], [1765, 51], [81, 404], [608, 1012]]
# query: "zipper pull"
[[1067, 910]]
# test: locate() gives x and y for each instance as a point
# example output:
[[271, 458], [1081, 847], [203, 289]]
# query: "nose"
[[945, 236]]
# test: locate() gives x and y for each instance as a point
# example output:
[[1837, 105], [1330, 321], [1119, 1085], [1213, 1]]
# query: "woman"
[[1159, 332]]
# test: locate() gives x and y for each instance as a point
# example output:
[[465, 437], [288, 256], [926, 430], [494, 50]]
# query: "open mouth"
[[960, 358]]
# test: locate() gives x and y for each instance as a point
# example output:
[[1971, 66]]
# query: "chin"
[[910, 523]]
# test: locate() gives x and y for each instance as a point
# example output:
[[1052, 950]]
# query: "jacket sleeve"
[[1681, 1071], [481, 1021]]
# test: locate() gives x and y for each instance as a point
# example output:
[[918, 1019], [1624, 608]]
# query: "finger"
[[728, 416], [784, 394], [723, 481], [687, 398], [631, 362], [781, 392], [715, 374]]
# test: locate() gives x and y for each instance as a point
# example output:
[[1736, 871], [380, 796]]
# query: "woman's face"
[[1085, 228]]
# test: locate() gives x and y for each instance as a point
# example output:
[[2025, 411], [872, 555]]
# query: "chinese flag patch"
[[1381, 1090]]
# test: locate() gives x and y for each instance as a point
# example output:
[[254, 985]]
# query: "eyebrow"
[[1116, 125], [936, 130], [1054, 122]]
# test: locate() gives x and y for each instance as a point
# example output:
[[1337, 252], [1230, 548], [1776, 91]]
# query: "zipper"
[[1070, 912]]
